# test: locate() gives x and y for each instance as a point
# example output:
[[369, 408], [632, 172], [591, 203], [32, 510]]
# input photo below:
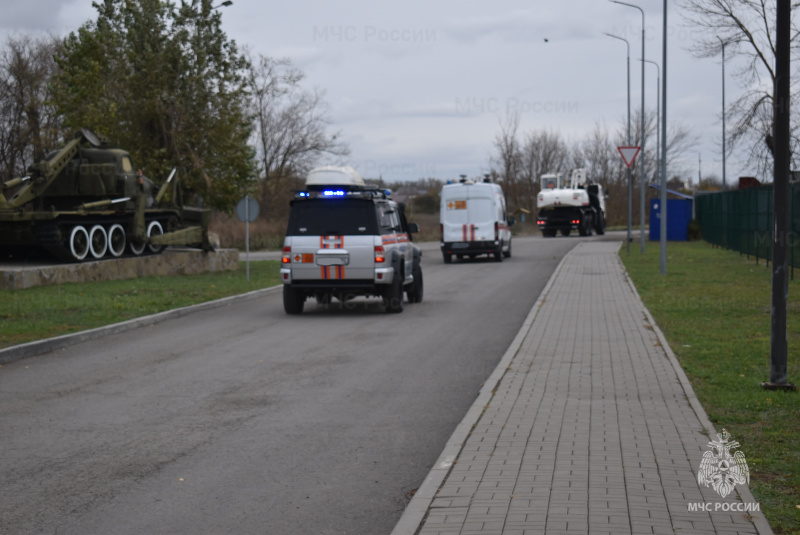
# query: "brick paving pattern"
[[590, 430]]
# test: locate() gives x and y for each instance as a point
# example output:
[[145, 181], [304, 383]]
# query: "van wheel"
[[447, 257], [507, 254], [498, 256], [393, 295], [293, 300], [415, 292]]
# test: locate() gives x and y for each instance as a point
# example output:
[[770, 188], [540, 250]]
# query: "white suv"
[[345, 239]]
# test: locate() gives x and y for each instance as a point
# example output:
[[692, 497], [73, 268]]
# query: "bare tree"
[[29, 124], [747, 30], [542, 152], [506, 165], [291, 123]]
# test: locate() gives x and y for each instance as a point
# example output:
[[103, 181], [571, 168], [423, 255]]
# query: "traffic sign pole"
[[247, 211], [247, 235], [628, 156]]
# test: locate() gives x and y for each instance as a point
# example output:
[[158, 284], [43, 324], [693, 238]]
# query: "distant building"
[[747, 182]]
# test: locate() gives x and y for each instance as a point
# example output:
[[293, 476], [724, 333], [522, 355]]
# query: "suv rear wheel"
[[293, 300], [393, 296], [414, 293]]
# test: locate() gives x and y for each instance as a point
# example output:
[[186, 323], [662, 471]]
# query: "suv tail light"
[[287, 255], [380, 254]]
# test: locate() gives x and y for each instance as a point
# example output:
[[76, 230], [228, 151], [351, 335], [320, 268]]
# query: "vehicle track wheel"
[[78, 242], [136, 249], [116, 240], [393, 296], [98, 241], [415, 292], [293, 300], [155, 229]]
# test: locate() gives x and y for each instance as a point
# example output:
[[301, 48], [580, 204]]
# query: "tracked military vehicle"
[[87, 201]]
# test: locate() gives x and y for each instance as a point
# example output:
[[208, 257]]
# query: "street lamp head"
[[226, 3], [658, 67], [627, 4], [620, 38]]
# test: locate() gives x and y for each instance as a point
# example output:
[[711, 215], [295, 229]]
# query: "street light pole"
[[643, 136], [658, 117], [630, 187], [663, 223], [723, 113]]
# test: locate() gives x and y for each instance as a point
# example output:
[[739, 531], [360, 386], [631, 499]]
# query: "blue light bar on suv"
[[361, 193], [334, 193]]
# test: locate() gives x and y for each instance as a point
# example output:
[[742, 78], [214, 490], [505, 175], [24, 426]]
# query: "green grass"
[[43, 312], [714, 308]]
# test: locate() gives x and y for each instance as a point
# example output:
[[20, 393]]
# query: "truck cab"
[[578, 205]]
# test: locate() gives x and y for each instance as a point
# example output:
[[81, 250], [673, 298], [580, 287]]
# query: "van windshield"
[[332, 217]]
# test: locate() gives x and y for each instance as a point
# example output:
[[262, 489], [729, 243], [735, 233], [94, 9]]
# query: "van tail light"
[[441, 231], [380, 254], [287, 255], [496, 230]]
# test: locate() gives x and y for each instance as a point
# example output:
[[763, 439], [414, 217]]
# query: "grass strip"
[[714, 308], [46, 311]]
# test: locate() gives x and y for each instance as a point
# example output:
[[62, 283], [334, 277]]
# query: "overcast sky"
[[417, 87]]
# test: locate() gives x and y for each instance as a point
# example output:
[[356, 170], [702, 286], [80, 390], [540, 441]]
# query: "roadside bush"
[[695, 231]]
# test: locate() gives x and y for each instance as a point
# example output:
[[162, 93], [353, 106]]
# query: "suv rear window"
[[332, 217]]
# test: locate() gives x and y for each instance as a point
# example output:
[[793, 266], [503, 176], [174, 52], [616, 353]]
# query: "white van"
[[473, 221]]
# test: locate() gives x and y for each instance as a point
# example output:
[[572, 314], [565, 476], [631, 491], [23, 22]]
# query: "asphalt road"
[[245, 420]]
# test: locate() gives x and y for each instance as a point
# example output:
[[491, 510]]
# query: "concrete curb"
[[48, 345], [417, 508], [759, 521]]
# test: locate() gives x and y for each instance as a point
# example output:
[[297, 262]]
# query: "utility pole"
[[724, 184], [663, 255], [778, 351]]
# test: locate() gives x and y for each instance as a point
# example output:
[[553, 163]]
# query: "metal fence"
[[742, 220]]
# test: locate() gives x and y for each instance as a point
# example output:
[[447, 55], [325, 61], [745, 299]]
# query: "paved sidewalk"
[[592, 428]]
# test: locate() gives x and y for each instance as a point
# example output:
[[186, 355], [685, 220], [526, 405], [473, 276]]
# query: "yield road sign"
[[628, 154]]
